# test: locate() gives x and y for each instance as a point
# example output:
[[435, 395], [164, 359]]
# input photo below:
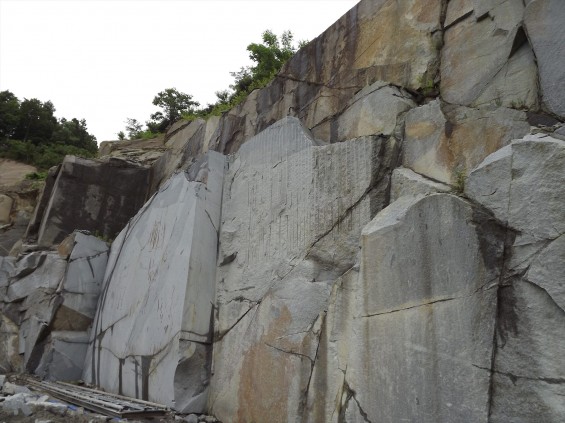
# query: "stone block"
[[85, 196], [375, 110], [427, 306], [152, 332], [63, 357], [443, 142]]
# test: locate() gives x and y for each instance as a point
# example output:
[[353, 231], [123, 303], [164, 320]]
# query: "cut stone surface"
[[291, 216], [86, 196], [503, 183], [441, 144], [63, 358], [486, 58], [374, 110], [489, 183], [407, 182], [427, 305], [544, 25], [152, 332]]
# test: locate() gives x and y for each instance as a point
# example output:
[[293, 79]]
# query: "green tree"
[[174, 105], [74, 132], [37, 121], [9, 114], [121, 135], [134, 128], [269, 57]]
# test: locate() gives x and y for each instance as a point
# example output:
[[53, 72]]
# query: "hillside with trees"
[[31, 133]]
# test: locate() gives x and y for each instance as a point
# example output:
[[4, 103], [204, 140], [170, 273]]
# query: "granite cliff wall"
[[375, 236]]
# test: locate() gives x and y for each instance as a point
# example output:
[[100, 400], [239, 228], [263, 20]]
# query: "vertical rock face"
[[486, 58], [291, 217], [544, 25], [152, 334], [89, 195], [428, 304], [528, 372], [443, 141], [281, 283], [47, 302]]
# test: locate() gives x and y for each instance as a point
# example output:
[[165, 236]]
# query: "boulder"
[[151, 338]]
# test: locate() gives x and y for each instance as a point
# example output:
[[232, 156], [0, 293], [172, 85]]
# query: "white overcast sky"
[[104, 60]]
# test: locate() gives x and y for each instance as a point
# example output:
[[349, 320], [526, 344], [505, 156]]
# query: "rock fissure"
[[514, 377], [221, 335]]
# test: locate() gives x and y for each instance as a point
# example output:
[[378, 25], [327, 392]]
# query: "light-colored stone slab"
[[427, 307], [489, 183], [152, 331], [375, 110], [291, 217]]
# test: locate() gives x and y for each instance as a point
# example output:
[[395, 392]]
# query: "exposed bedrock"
[[291, 218], [47, 302], [151, 338], [523, 185], [93, 195]]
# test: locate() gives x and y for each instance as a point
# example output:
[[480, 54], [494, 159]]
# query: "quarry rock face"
[[376, 235], [442, 141], [528, 368], [47, 302], [152, 335], [543, 22], [428, 305], [91, 195], [284, 240]]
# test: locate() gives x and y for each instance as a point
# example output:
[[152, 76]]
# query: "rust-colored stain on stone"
[[264, 377]]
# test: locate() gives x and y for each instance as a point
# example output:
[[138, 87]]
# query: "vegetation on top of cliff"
[[30, 133], [268, 56]]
